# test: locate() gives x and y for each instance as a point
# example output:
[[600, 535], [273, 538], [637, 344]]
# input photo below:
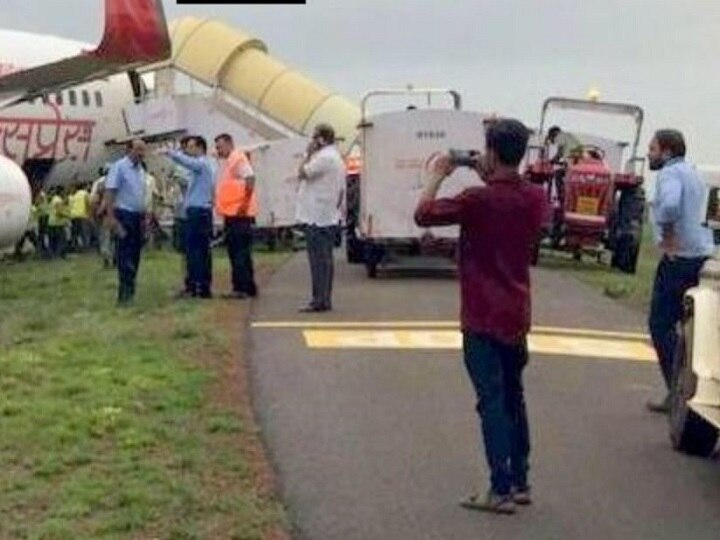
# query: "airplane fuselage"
[[60, 139]]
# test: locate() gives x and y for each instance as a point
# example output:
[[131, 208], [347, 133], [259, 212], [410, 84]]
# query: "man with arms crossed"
[[677, 213], [499, 225], [322, 176]]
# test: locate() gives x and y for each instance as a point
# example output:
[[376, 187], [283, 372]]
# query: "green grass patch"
[[107, 426], [632, 289]]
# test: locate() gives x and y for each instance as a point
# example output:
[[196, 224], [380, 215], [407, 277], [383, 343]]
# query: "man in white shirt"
[[322, 177]]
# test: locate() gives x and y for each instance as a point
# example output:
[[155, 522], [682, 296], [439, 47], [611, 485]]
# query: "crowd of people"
[[225, 190]]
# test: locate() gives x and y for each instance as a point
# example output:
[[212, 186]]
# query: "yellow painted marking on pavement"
[[562, 345], [579, 332]]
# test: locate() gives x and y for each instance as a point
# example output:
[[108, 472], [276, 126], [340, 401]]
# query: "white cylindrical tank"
[[15, 202]]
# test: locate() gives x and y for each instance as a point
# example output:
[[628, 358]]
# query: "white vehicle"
[[276, 166], [397, 148], [695, 410]]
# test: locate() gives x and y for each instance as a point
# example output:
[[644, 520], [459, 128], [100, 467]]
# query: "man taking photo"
[[499, 225]]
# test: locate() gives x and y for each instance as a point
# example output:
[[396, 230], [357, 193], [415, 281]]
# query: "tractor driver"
[[553, 149], [555, 154]]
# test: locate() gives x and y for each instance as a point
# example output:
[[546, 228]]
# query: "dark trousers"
[[129, 248], [320, 242], [198, 233], [58, 241], [239, 240], [78, 238], [44, 235], [672, 280], [29, 236], [495, 369]]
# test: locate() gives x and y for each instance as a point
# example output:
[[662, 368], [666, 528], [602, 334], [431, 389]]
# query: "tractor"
[[597, 202]]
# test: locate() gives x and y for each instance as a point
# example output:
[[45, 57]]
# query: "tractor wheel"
[[626, 253], [689, 432], [626, 229]]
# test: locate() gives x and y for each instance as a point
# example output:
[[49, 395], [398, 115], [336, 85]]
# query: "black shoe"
[[659, 407]]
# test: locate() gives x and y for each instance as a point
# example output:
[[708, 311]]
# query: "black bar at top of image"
[[241, 2]]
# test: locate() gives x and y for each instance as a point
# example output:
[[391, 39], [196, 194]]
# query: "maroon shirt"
[[499, 226]]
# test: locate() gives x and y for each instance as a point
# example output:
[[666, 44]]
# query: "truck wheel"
[[354, 248], [689, 432]]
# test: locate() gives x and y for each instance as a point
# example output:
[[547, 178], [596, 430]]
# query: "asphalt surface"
[[382, 444]]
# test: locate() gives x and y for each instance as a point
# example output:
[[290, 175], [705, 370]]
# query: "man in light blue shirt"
[[125, 209], [198, 205], [677, 218]]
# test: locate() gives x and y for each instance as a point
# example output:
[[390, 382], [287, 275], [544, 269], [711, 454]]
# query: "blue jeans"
[[672, 280], [495, 369]]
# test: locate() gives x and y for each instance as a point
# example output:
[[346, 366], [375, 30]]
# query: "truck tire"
[[689, 432], [354, 247], [373, 255]]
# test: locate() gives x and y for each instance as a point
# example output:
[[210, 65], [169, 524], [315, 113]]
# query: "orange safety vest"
[[231, 191]]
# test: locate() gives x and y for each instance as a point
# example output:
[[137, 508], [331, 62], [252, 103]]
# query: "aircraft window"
[[98, 99], [59, 98], [72, 97], [86, 98]]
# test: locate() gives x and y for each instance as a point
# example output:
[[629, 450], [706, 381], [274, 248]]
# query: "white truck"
[[695, 407], [276, 166], [396, 149]]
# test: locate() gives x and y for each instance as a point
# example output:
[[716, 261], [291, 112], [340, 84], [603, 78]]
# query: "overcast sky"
[[502, 55]]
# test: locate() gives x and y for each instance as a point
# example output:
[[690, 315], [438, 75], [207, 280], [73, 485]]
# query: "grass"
[[633, 290], [109, 425]]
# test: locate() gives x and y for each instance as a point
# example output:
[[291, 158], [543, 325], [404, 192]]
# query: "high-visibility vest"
[[231, 191]]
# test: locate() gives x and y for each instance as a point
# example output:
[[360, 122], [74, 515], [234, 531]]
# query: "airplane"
[[61, 101]]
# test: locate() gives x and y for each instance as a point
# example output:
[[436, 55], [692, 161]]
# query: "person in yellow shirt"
[[58, 221], [80, 219]]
